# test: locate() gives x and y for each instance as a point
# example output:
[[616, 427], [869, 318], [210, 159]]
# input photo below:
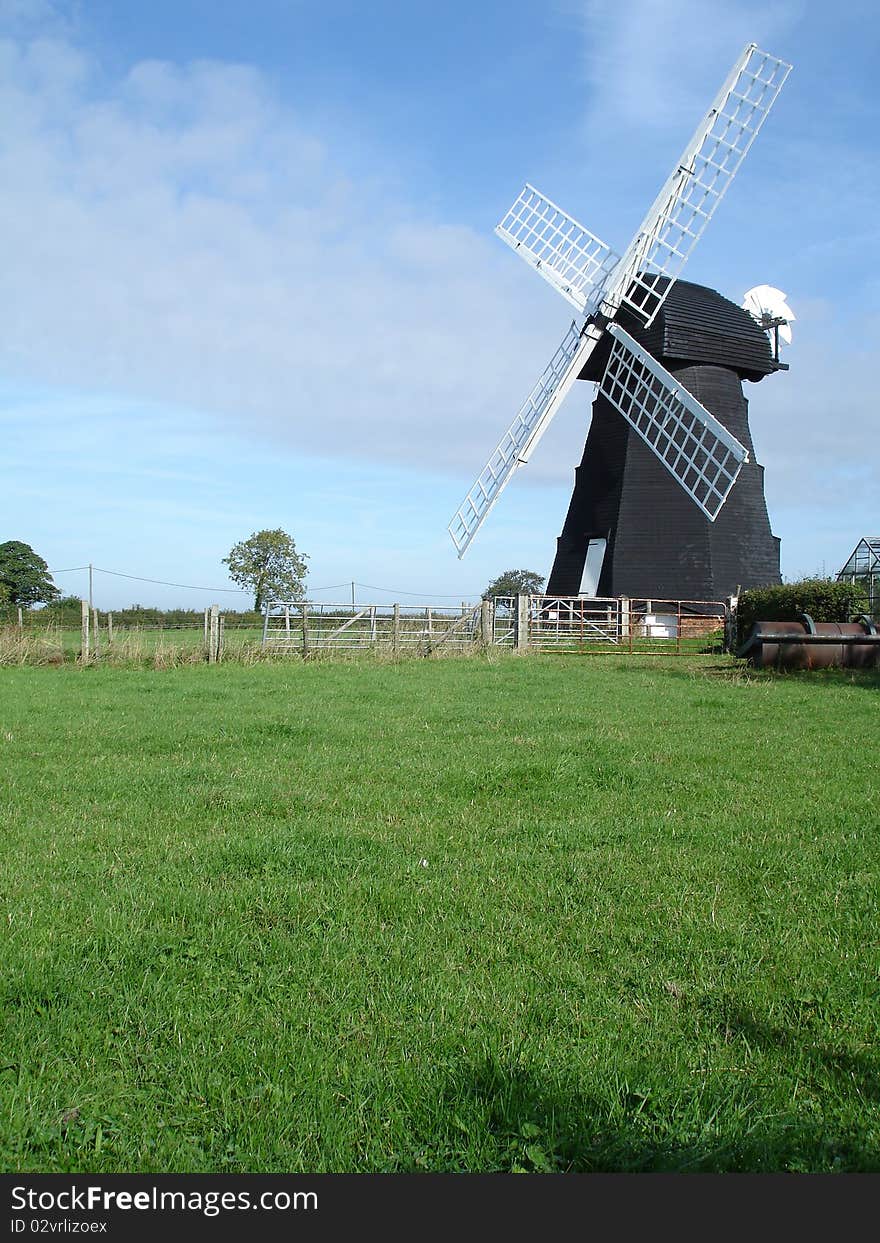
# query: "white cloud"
[[26, 12], [655, 64], [179, 236], [816, 422]]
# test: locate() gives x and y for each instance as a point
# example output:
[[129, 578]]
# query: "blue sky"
[[249, 276]]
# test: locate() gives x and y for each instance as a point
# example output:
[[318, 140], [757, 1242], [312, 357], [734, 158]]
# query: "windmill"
[[669, 436]]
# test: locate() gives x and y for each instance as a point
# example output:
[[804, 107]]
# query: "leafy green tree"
[[269, 565], [25, 575], [515, 583]]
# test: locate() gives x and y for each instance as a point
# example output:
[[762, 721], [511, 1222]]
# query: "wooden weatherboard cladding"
[[658, 542]]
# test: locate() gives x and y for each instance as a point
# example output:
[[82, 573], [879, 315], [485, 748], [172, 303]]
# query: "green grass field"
[[477, 914]]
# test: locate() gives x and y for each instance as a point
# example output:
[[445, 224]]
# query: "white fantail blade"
[[752, 303], [525, 431], [688, 200], [766, 303], [698, 451], [765, 295], [769, 299], [571, 258]]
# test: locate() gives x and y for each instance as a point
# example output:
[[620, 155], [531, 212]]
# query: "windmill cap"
[[696, 324]]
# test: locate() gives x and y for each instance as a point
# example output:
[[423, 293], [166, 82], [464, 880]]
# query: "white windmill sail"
[[571, 258], [517, 443], [698, 451], [702, 175]]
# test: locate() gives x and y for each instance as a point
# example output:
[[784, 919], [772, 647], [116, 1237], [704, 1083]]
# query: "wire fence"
[[307, 629], [302, 628]]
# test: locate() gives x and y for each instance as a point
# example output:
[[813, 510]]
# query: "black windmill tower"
[[647, 537], [654, 513]]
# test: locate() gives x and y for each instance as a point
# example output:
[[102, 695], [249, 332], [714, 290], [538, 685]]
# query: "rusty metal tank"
[[806, 644]]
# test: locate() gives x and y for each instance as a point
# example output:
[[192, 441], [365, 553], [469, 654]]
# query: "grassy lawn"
[[534, 913]]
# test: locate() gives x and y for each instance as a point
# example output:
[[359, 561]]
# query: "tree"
[[25, 575], [269, 565], [515, 583]]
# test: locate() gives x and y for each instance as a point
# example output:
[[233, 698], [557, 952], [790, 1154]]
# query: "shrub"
[[66, 611], [824, 599]]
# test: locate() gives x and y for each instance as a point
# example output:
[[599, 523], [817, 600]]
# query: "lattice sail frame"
[[569, 257], [518, 442], [692, 192], [702, 456]]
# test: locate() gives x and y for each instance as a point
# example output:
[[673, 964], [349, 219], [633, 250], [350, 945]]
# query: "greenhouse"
[[863, 567]]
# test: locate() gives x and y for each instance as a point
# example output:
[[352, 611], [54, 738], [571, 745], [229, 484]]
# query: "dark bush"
[[65, 611], [824, 599]]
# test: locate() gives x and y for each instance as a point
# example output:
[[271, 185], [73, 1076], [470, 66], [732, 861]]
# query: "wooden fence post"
[[96, 634], [730, 624], [20, 618], [85, 650], [486, 622], [522, 622], [109, 629], [213, 634], [678, 629], [395, 630], [221, 631]]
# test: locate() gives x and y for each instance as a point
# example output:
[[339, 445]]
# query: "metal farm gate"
[[419, 629], [597, 625], [504, 621]]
